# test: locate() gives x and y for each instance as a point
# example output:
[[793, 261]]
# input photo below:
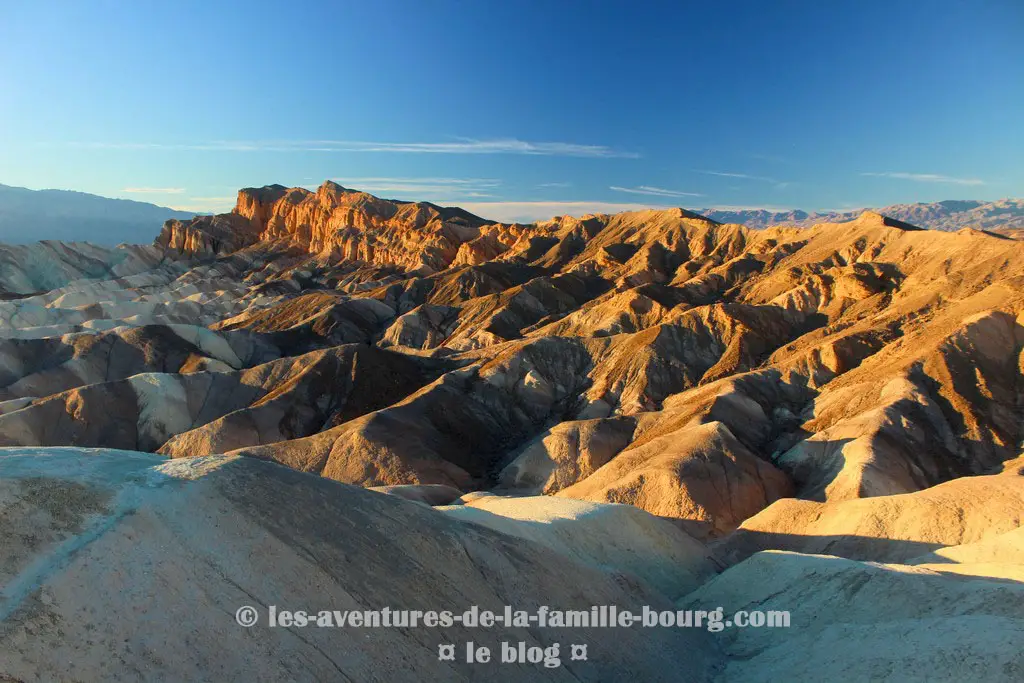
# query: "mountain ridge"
[[69, 215], [947, 215]]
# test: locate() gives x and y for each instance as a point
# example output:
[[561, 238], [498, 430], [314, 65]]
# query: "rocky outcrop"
[[310, 321], [946, 406], [44, 266], [51, 365], [208, 236], [348, 224], [424, 327], [317, 390], [212, 410], [567, 453], [454, 430], [702, 475]]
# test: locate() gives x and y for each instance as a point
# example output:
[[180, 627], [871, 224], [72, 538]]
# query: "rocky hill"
[[648, 406]]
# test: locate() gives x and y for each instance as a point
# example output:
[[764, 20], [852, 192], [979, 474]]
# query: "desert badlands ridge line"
[[641, 408]]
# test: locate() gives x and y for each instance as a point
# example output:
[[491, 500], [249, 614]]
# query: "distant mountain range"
[[949, 215], [31, 215]]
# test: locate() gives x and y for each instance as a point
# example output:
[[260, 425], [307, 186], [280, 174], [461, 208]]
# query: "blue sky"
[[518, 109]]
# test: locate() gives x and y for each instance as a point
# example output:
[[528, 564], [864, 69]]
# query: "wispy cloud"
[[528, 212], [458, 146], [434, 189], [656, 191], [779, 184], [926, 178], [154, 190], [555, 185], [745, 176]]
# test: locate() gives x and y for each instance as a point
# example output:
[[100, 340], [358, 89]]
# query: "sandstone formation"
[[703, 475], [697, 370]]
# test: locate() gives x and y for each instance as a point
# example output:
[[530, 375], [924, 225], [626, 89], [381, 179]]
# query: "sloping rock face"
[[862, 621], [207, 236], [94, 539], [697, 370], [704, 476], [999, 557], [566, 453], [894, 528], [34, 268], [613, 536]]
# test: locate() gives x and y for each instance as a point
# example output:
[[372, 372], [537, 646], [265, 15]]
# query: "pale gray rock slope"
[[124, 565], [119, 565], [860, 621], [611, 536], [48, 265]]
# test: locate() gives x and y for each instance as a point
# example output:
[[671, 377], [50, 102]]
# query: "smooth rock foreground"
[[615, 536], [118, 565], [861, 621]]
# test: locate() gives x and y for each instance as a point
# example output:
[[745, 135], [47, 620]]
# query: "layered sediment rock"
[[697, 370]]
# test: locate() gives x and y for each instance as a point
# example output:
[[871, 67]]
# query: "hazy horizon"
[[537, 210]]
